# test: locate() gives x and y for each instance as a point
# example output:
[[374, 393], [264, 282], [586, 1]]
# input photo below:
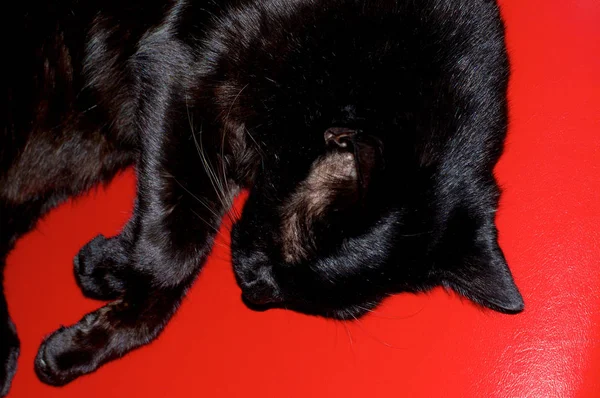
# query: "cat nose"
[[259, 288]]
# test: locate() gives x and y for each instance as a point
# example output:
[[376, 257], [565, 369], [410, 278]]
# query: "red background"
[[419, 346]]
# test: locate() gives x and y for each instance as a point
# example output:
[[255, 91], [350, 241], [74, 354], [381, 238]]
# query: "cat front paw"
[[9, 353], [98, 268], [72, 351], [60, 359]]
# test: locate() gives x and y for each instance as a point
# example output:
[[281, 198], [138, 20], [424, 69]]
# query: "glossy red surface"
[[430, 345]]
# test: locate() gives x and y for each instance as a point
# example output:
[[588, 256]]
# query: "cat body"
[[365, 131]]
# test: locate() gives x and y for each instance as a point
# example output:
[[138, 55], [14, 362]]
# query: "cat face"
[[373, 176], [313, 239], [335, 236], [337, 220]]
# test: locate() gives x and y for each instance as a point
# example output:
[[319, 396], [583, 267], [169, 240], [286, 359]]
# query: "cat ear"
[[483, 277], [366, 149]]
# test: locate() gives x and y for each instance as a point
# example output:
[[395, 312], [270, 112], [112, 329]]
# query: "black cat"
[[366, 131]]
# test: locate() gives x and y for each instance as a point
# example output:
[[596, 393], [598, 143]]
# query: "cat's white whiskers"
[[258, 147], [349, 337], [377, 339], [396, 318], [216, 230], [212, 175], [224, 171], [202, 202]]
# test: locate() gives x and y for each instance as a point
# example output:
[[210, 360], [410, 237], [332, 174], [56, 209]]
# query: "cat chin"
[[351, 312], [347, 313]]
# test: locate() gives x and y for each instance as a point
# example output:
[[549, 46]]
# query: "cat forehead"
[[308, 203]]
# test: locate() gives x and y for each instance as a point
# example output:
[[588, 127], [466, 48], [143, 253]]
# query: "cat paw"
[[97, 266], [9, 353], [67, 354]]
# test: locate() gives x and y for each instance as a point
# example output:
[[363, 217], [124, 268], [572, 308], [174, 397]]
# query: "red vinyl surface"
[[430, 345]]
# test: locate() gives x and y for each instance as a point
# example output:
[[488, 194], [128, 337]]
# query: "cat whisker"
[[258, 147], [223, 165], [378, 314], [349, 337], [216, 230], [234, 101], [224, 199], [202, 202], [213, 177], [373, 337]]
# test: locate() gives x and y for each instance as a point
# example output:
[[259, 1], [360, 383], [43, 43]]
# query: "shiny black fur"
[[365, 130]]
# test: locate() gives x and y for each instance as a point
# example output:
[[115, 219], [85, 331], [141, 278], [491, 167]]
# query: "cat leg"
[[161, 268], [100, 267], [25, 195], [149, 266], [9, 345], [108, 333], [13, 223]]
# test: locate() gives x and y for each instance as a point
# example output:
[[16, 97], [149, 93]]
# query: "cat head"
[[360, 187], [336, 235]]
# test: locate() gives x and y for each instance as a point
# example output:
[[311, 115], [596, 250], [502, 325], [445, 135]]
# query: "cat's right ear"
[[367, 151], [472, 264], [484, 278]]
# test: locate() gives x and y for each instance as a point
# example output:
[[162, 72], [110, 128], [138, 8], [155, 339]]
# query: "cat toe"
[[60, 360], [46, 363], [90, 256], [100, 286], [95, 271]]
